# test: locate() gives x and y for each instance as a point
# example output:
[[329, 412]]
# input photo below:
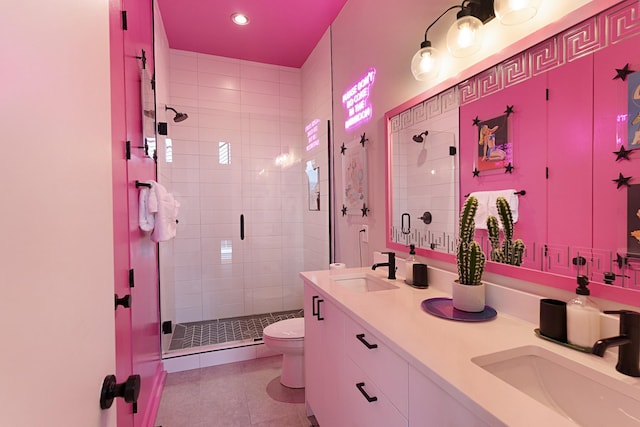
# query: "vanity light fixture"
[[463, 38], [240, 19], [512, 12]]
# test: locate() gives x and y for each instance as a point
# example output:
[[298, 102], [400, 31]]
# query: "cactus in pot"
[[510, 251], [470, 258]]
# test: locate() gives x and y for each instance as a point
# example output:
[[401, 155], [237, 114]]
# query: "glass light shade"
[[512, 12], [464, 38], [425, 64]]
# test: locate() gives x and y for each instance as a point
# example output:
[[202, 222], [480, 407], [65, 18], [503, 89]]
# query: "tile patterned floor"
[[241, 394], [196, 334]]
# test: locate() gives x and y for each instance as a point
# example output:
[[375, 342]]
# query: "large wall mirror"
[[569, 152]]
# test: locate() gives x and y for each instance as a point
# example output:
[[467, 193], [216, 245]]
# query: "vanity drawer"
[[385, 368], [365, 403]]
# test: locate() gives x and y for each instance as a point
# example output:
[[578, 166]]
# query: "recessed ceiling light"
[[240, 19]]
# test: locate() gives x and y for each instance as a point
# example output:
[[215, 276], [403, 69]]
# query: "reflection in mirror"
[[423, 150], [313, 180], [576, 217], [148, 114]]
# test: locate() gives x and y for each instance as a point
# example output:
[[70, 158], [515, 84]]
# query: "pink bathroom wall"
[[529, 155]]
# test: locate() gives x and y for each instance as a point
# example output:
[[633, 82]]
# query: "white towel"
[[487, 199], [483, 209], [165, 207], [146, 219]]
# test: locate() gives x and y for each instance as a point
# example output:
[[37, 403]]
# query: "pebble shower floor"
[[218, 331]]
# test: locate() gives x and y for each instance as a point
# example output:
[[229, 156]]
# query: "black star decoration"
[[622, 180], [509, 110], [622, 73], [343, 149], [508, 168], [363, 139], [622, 153], [476, 172], [476, 121], [344, 210], [364, 209]]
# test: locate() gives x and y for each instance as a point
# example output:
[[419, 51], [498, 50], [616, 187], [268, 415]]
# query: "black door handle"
[[241, 226], [365, 394], [365, 342], [129, 390]]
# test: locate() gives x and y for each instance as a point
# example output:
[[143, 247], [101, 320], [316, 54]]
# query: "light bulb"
[[425, 64], [464, 38], [512, 12]]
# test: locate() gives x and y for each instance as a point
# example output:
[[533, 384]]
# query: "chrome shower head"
[[179, 117], [419, 138]]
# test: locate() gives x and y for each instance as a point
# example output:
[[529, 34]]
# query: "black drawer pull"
[[364, 393], [363, 341], [315, 306]]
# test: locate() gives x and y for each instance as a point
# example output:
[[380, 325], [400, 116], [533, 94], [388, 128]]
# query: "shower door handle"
[[241, 226]]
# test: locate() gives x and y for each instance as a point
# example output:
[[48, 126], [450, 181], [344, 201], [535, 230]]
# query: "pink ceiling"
[[281, 32]]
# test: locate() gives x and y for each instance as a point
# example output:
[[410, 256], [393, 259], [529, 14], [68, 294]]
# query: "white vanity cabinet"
[[323, 357], [430, 405], [375, 381]]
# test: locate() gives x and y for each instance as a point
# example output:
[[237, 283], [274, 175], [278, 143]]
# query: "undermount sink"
[[363, 283], [581, 394]]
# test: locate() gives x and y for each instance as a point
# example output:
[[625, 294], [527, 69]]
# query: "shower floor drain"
[[219, 331]]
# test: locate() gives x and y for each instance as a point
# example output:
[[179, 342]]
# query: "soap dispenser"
[[583, 317], [409, 265]]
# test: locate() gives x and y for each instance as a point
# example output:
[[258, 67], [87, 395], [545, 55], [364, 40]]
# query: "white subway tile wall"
[[256, 111]]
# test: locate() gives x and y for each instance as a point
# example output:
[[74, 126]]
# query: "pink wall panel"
[[569, 141], [529, 156]]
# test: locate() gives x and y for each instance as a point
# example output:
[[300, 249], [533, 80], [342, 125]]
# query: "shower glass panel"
[[238, 173]]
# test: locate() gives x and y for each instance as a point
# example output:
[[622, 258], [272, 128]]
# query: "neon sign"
[[312, 134], [356, 101]]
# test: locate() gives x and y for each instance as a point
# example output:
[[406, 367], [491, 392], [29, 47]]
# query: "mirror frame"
[[598, 290]]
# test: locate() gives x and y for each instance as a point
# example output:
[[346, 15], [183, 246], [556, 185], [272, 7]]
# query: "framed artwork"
[[354, 178], [495, 150], [634, 111]]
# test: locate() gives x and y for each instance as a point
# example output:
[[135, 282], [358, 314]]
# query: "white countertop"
[[442, 349]]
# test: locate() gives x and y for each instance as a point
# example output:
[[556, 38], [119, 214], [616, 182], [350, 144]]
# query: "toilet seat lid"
[[286, 329]]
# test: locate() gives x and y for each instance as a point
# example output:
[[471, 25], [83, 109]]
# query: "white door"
[[56, 240]]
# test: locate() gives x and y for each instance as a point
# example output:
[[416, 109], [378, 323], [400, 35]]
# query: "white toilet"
[[287, 337]]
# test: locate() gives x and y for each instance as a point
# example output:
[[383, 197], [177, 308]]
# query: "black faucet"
[[391, 264], [628, 340]]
